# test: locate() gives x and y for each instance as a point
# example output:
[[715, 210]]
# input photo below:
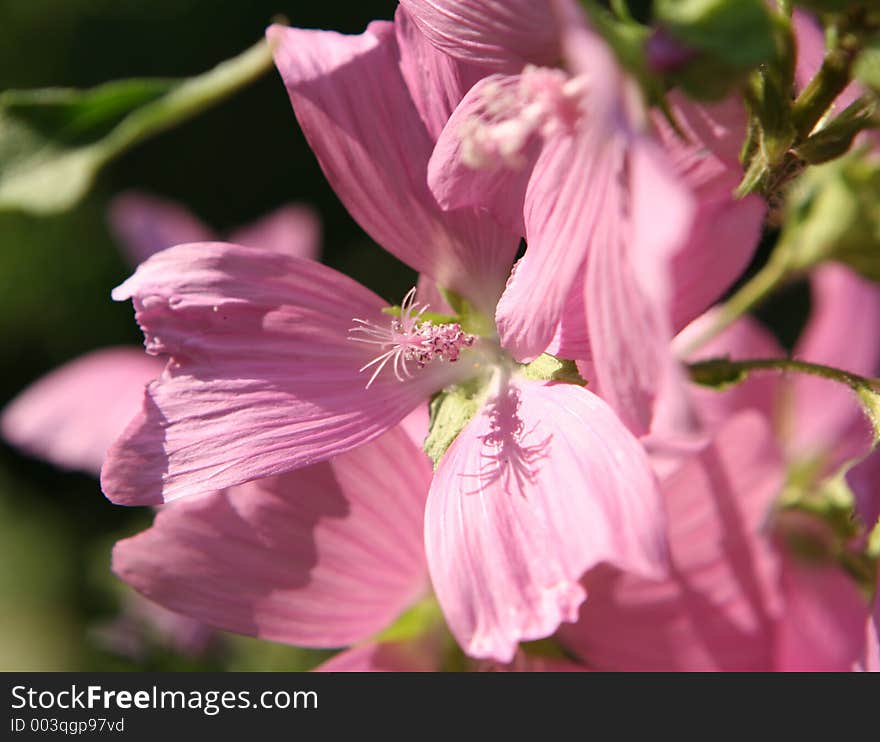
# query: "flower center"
[[540, 101], [410, 339]]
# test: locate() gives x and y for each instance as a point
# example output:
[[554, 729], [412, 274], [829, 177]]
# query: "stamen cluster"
[[410, 338]]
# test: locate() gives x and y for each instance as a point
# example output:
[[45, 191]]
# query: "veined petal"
[[704, 155], [144, 224], [718, 610], [353, 105], [704, 152], [436, 81], [498, 186], [572, 337], [721, 243], [263, 376], [824, 411], [496, 34], [292, 230], [627, 293], [567, 199], [543, 484], [575, 187], [323, 557], [72, 415]]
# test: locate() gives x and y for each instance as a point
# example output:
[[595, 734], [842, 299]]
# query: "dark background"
[[231, 165]]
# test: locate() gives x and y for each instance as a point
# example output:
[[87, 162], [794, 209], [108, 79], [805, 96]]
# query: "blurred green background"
[[230, 165]]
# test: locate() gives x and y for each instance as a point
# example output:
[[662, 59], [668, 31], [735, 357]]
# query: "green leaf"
[[550, 368], [835, 139], [451, 410], [54, 141], [737, 33]]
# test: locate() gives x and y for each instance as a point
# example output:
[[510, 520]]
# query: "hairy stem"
[[726, 370]]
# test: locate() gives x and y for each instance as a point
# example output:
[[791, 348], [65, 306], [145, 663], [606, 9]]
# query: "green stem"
[[189, 98], [832, 78], [725, 369], [749, 296], [785, 8]]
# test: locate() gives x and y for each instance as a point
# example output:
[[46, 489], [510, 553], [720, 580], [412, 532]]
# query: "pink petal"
[[323, 557], [500, 35], [719, 248], [572, 337], [864, 480], [436, 81], [523, 662], [726, 231], [399, 656], [72, 415], [499, 188], [429, 294], [571, 177], [145, 224], [718, 610], [824, 411], [573, 192], [353, 105], [417, 425], [706, 157], [263, 377], [823, 629], [627, 294], [542, 485], [871, 659], [292, 230]]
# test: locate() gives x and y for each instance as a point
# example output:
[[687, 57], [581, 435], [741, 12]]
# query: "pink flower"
[[371, 107], [264, 377], [495, 35], [739, 596], [278, 363], [736, 600], [569, 159], [326, 556]]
